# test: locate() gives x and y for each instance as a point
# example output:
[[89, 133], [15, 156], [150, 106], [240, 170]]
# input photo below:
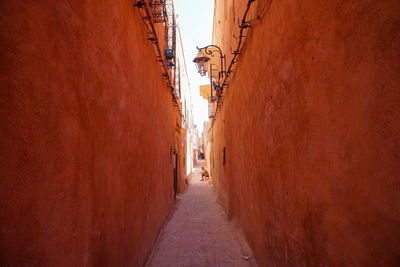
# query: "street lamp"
[[201, 62], [210, 51]]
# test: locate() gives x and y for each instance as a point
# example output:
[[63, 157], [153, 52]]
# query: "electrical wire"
[[188, 35], [244, 25], [154, 39]]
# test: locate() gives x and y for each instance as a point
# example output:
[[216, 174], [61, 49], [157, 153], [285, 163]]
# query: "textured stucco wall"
[[87, 126], [182, 176], [310, 123]]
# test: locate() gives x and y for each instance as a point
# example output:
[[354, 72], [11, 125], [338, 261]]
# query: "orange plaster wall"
[[87, 126], [310, 123], [182, 177]]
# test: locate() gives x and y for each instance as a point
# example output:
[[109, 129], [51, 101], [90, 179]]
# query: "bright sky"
[[195, 19]]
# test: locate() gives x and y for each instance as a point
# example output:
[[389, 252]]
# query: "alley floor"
[[197, 233]]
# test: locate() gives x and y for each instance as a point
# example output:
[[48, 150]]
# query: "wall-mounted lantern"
[[201, 62]]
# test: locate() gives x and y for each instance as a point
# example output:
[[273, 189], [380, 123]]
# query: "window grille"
[[159, 11]]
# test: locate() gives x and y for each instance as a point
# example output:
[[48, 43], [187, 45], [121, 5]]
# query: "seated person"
[[204, 174]]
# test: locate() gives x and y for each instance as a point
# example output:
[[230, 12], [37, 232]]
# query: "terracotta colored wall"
[[182, 182], [87, 125], [180, 147], [311, 124]]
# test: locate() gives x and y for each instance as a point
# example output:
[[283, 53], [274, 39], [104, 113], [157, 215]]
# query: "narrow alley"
[[112, 110], [197, 232]]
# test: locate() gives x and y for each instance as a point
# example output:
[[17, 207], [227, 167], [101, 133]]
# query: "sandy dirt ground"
[[197, 233]]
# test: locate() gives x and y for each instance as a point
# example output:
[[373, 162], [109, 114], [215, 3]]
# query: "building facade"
[[92, 129], [306, 135], [184, 94]]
